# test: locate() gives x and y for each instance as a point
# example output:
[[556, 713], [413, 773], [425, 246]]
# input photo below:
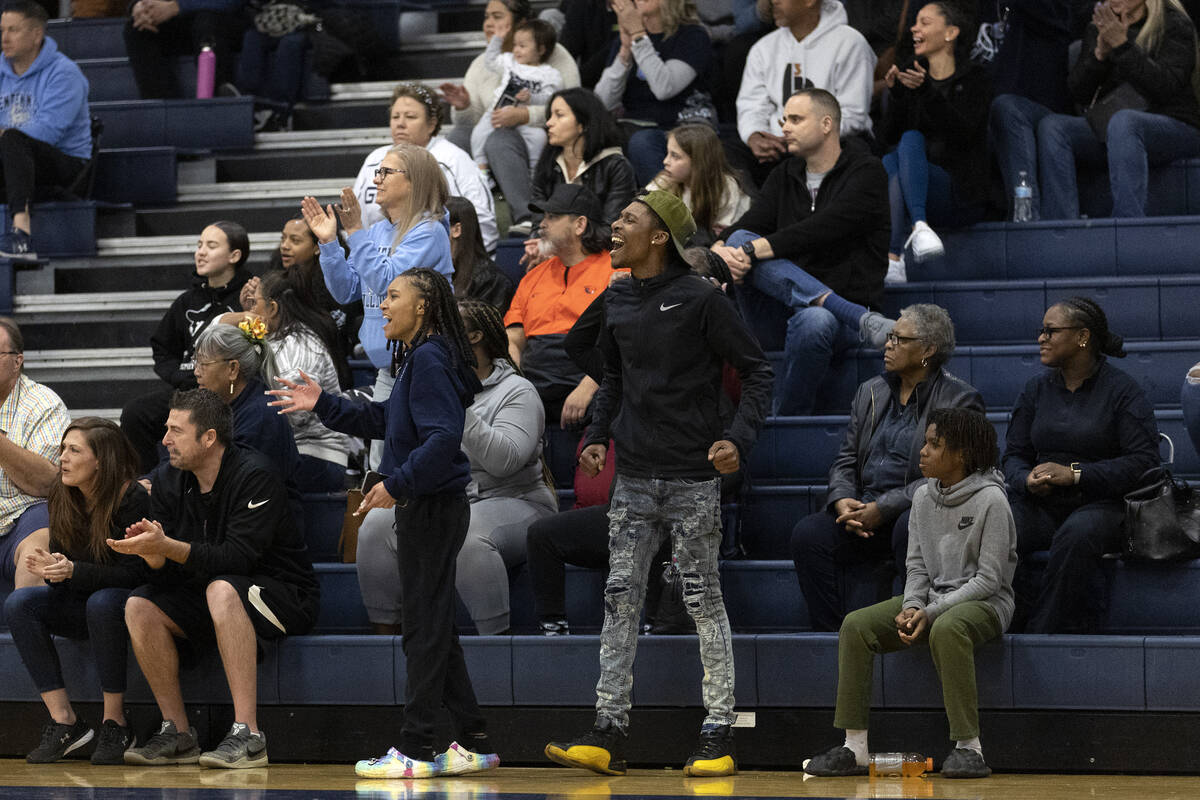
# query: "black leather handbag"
[[1102, 109], [1162, 518]]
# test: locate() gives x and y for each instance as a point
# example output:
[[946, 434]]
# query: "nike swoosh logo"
[[253, 505], [665, 307], [963, 525]]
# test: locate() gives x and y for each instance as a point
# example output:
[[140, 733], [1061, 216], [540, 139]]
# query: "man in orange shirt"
[[577, 268]]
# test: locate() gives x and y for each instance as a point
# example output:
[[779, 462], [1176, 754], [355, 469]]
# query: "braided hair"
[[441, 317], [485, 318], [1087, 313], [968, 432]]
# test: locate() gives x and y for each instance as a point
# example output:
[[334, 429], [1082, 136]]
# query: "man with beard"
[[577, 268]]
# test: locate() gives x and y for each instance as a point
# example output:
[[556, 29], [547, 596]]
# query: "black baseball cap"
[[571, 198]]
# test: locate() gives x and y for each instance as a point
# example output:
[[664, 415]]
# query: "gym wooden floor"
[[72, 781]]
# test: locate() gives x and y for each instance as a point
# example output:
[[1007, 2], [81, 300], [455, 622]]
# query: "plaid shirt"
[[32, 417]]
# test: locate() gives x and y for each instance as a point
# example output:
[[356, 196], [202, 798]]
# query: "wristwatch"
[[1076, 470], [748, 249]]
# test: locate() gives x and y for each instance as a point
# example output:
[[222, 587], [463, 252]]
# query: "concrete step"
[[334, 137], [170, 248], [261, 190], [91, 305], [379, 90]]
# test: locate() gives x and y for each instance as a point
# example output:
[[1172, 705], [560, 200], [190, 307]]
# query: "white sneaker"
[[924, 242], [896, 272]]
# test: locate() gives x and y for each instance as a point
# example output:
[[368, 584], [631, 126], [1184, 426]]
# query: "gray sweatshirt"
[[962, 545], [503, 439]]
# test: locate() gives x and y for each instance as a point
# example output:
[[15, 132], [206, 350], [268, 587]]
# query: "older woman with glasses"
[[877, 470], [1082, 435]]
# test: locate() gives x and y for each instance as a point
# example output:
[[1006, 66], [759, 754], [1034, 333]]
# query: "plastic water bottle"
[[206, 72], [901, 765], [1023, 199]]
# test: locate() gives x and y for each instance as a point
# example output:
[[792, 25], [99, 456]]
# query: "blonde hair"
[[1155, 27], [427, 200], [674, 13]]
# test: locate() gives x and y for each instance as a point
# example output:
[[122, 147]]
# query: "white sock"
[[856, 742], [971, 744]]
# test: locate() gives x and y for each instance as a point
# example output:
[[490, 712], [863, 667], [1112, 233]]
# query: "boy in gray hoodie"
[[962, 551]]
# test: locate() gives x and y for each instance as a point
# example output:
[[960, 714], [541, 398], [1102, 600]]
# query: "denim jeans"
[[1012, 129], [272, 67], [1189, 397], [36, 613], [917, 190], [813, 335], [644, 512], [647, 148], [1137, 140]]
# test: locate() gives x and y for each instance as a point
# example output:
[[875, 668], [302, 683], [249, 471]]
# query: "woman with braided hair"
[[424, 477], [502, 438], [1082, 435]]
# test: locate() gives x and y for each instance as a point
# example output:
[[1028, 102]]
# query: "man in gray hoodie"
[[962, 551]]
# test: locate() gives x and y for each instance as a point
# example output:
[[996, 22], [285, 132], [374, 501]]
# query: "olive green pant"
[[952, 640]]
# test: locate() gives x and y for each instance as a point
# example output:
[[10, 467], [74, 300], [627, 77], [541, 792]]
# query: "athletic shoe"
[[924, 242], [240, 749], [395, 765], [896, 272], [598, 750], [558, 627], [965, 763], [17, 244], [713, 757], [458, 760], [834, 763], [58, 740], [873, 329], [112, 743], [168, 746]]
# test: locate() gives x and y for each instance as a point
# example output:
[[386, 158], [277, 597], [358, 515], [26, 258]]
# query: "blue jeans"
[[644, 512], [646, 150], [1012, 129], [36, 613], [1137, 140], [272, 67], [917, 190], [1190, 399], [813, 334]]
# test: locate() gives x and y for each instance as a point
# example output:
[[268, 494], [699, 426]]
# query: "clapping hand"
[[295, 397], [38, 561], [143, 538], [246, 296], [456, 95], [910, 78], [1111, 28], [349, 212], [321, 222]]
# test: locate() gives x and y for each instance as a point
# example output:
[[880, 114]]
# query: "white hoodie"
[[834, 57]]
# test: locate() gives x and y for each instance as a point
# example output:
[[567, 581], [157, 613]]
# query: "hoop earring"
[[924, 362]]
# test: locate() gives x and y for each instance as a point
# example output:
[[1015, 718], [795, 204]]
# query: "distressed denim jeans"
[[643, 513]]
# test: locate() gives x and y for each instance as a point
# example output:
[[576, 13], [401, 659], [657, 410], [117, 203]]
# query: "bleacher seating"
[[175, 162]]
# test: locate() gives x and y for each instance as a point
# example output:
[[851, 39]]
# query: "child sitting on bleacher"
[[525, 79], [962, 552]]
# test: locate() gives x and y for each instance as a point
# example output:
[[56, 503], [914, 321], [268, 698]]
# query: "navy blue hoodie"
[[421, 423]]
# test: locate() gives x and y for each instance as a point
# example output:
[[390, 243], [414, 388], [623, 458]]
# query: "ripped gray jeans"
[[644, 511]]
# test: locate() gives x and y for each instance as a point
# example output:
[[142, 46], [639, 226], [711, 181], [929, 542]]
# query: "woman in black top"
[[475, 274], [937, 116], [96, 498], [1082, 435]]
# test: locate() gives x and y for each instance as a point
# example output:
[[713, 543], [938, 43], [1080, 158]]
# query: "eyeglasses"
[[383, 172], [895, 339], [1049, 331], [205, 364]]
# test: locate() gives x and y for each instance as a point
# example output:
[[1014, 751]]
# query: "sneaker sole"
[[717, 768], [216, 762], [135, 759], [967, 775], [596, 759]]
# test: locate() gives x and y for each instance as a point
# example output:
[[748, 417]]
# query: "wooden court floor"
[[79, 780]]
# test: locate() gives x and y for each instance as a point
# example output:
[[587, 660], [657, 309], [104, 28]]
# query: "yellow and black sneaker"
[[714, 755], [600, 749]]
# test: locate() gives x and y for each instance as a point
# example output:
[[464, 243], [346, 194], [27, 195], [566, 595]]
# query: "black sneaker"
[[240, 749], [18, 245], [834, 763], [599, 750], [112, 743], [965, 763], [713, 757], [58, 740], [558, 627], [168, 746]]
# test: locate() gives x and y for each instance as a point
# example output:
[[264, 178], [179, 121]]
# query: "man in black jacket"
[[815, 241], [666, 336], [233, 569]]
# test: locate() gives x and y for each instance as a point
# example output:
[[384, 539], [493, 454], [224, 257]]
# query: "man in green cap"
[[666, 336]]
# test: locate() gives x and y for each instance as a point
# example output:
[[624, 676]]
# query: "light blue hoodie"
[[371, 267], [48, 102]]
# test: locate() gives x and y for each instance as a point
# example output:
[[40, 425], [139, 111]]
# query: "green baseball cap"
[[674, 214]]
